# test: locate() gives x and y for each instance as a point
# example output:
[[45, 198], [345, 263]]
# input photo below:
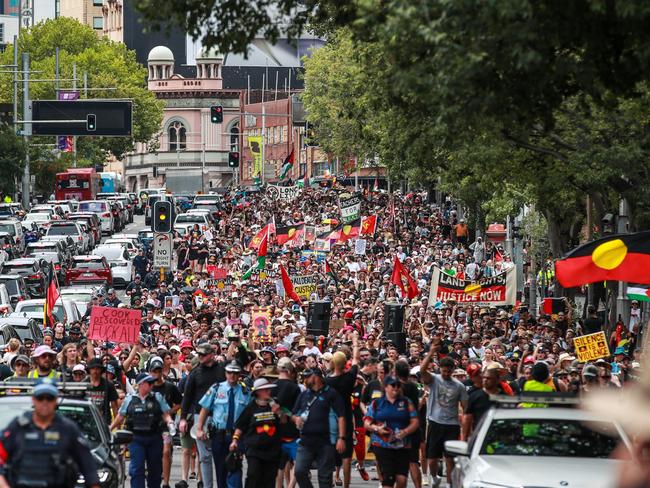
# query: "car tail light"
[[34, 276], [107, 214], [57, 267]]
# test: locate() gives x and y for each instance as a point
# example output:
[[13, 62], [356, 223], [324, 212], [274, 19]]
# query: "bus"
[[76, 184], [110, 182]]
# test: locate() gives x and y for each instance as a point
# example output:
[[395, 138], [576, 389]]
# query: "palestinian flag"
[[638, 292], [290, 233], [257, 239], [403, 280], [286, 167], [368, 225], [327, 269], [621, 257], [288, 286], [553, 306], [261, 257], [51, 296]]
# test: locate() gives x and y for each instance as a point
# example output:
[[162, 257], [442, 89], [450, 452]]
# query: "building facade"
[[188, 138], [88, 12], [113, 14]]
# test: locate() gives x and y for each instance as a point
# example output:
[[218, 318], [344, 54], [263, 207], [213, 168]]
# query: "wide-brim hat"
[[262, 384]]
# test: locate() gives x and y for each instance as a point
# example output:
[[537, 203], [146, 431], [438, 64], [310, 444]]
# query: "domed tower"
[[208, 64], [161, 63]]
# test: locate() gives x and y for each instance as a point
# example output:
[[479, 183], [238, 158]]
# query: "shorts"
[[289, 450], [187, 442], [392, 463], [414, 450], [437, 434]]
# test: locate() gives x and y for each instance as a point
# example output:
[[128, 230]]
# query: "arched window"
[[177, 136], [234, 138]]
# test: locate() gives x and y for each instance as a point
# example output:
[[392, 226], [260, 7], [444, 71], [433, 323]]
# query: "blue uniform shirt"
[[125, 405], [215, 401], [396, 415]]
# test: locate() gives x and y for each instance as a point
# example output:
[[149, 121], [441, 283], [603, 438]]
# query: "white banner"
[[497, 290], [288, 193], [350, 207]]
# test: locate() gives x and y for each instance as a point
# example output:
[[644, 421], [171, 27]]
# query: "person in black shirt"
[[592, 323], [173, 397], [101, 391], [260, 424], [286, 393]]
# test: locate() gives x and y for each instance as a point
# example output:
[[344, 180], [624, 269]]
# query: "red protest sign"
[[115, 325]]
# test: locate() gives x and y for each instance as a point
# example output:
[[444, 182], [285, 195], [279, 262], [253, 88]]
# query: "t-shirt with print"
[[444, 397], [102, 395]]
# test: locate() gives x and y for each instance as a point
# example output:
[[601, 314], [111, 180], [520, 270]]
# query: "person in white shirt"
[[476, 349], [310, 348]]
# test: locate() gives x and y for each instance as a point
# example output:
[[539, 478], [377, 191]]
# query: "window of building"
[[2, 33], [98, 3], [98, 22], [177, 136]]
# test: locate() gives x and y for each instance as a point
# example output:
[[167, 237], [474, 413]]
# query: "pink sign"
[[115, 325]]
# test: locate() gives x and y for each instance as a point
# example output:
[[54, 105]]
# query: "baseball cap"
[[95, 363], [45, 387], [590, 371], [205, 348], [311, 371], [144, 377], [40, 350], [78, 367], [155, 362], [390, 380]]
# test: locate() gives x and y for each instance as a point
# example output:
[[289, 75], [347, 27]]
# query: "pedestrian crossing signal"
[[91, 122]]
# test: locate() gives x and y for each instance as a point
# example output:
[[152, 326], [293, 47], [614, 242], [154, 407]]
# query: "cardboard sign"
[[286, 193], [591, 347], [350, 205], [335, 326], [360, 247], [261, 321], [305, 285], [115, 325]]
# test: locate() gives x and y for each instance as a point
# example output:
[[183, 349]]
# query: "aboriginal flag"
[[622, 257], [553, 306], [51, 296], [289, 233]]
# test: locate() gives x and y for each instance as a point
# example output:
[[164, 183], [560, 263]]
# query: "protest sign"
[[360, 246], [496, 290], [119, 325], [261, 321], [215, 272], [305, 285], [335, 326], [286, 193], [350, 207], [255, 145], [310, 233], [319, 256], [322, 245], [591, 347], [172, 301]]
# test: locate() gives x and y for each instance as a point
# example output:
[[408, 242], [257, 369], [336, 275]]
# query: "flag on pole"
[[51, 296], [403, 280], [369, 225], [284, 234], [287, 165], [638, 292], [257, 239], [261, 257], [327, 269], [288, 286], [553, 306]]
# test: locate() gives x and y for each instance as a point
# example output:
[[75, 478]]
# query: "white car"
[[65, 309], [42, 220], [102, 209], [80, 295], [541, 447], [128, 244], [193, 218], [72, 229], [14, 228], [120, 262]]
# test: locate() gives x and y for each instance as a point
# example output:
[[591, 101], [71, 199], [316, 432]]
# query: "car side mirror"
[[122, 437], [457, 448]]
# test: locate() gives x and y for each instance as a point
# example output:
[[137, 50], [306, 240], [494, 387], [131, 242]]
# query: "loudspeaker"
[[318, 318], [399, 339], [393, 317]]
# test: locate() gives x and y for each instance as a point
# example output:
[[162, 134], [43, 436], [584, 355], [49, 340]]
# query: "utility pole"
[[509, 236], [27, 130], [622, 303], [74, 138]]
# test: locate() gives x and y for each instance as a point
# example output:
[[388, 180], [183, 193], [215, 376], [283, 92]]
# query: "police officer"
[[44, 449], [225, 401], [144, 412]]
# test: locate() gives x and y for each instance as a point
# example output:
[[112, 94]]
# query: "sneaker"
[[425, 480], [199, 484], [192, 475], [181, 484]]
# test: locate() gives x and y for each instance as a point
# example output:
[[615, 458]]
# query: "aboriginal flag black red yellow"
[[621, 257], [284, 234]]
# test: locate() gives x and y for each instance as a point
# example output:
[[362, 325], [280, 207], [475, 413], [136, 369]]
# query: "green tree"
[[12, 158]]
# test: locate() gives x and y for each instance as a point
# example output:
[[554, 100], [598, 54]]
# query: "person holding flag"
[[403, 280], [51, 296]]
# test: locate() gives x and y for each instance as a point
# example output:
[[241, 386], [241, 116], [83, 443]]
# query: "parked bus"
[[110, 182], [77, 184]]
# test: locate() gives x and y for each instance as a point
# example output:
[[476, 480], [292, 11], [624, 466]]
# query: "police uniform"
[[226, 403], [144, 417], [45, 458]]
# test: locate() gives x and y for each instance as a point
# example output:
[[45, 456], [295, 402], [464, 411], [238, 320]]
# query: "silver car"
[[541, 447]]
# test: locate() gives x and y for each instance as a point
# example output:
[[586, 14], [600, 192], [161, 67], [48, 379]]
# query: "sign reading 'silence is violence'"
[[119, 325]]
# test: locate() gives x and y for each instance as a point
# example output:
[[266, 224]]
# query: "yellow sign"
[[255, 144], [591, 347]]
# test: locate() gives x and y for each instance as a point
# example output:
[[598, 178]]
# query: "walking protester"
[[391, 420], [224, 402], [320, 434]]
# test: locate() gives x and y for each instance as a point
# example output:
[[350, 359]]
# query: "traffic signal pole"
[[27, 130]]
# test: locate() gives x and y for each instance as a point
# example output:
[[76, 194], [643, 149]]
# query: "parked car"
[[65, 310], [128, 244], [8, 244], [7, 332], [120, 262], [106, 447], [102, 209], [92, 221], [88, 270], [16, 287], [80, 295], [27, 328], [59, 264], [7, 211], [57, 246], [41, 220], [126, 204], [72, 229], [30, 269], [193, 218], [5, 300], [15, 229]]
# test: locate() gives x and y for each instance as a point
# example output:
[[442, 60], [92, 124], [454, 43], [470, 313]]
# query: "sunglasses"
[[45, 398]]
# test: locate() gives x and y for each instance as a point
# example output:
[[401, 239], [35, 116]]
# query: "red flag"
[[51, 296], [403, 280], [257, 239], [368, 225], [288, 286]]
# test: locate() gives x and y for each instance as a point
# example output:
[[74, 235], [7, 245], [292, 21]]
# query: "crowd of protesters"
[[233, 391]]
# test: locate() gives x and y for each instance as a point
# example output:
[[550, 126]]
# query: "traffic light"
[[233, 159], [216, 114], [163, 219], [91, 122]]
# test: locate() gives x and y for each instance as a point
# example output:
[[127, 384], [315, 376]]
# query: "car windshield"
[[87, 264], [206, 206], [190, 218], [12, 286], [112, 252], [37, 217], [50, 257], [96, 207], [8, 228], [63, 230], [550, 437], [19, 269], [38, 307]]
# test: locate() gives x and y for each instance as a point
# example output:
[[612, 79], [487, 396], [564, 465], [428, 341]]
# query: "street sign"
[[91, 117], [162, 250]]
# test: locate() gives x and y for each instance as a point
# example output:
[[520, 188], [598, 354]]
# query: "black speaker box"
[[393, 317], [318, 318]]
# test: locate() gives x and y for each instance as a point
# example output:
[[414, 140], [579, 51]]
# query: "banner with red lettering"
[[496, 290], [119, 325]]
